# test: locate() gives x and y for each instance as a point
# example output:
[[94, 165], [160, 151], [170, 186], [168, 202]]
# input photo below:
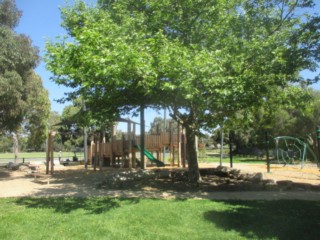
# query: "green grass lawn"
[[35, 155], [113, 218], [235, 159]]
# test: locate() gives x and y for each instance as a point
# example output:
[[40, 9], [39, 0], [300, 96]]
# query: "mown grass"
[[35, 155], [235, 159], [113, 218]]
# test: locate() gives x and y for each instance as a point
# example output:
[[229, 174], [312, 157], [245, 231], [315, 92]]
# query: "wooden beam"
[[129, 145], [134, 142], [142, 135]]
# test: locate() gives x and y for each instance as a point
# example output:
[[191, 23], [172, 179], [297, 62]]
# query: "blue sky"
[[41, 21]]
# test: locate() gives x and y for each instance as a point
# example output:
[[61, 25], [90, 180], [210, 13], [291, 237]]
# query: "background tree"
[[72, 123], [203, 59], [297, 118], [70, 131], [37, 112], [158, 124], [24, 102], [18, 58]]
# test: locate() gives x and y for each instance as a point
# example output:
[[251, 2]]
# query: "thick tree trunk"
[[194, 174]]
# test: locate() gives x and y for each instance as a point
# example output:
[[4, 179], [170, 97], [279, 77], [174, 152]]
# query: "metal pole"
[[231, 140], [221, 147], [85, 140]]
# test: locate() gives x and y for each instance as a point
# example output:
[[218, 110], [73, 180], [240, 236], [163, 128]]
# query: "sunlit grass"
[[38, 155], [113, 218], [235, 159]]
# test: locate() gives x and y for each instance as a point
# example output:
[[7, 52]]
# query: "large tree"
[[22, 96], [203, 59], [37, 113]]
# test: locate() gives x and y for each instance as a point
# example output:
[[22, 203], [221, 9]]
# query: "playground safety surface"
[[75, 181]]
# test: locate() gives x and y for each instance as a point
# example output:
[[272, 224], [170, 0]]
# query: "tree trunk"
[[194, 174]]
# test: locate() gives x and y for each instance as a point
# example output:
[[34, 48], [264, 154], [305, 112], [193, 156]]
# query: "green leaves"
[[22, 95], [9, 14], [211, 58]]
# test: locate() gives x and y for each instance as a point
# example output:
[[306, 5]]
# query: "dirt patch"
[[284, 182]]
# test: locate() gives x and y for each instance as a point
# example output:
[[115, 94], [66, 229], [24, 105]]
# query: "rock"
[[255, 177], [12, 166], [268, 181], [24, 168], [234, 173], [301, 186], [163, 174], [34, 167], [179, 176], [269, 184], [285, 184], [207, 171], [222, 171], [242, 176]]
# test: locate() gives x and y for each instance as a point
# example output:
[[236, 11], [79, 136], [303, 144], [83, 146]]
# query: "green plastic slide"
[[151, 157]]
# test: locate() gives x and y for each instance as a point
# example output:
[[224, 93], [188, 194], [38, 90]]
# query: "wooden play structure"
[[122, 151]]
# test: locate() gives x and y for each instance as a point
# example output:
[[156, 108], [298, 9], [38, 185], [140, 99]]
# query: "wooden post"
[[51, 152], [179, 146], [164, 131], [110, 145], [171, 145], [47, 154], [15, 148], [231, 141], [158, 154], [85, 147], [85, 139], [95, 153], [101, 148], [184, 148], [267, 151], [90, 152], [123, 155], [142, 133], [129, 145], [134, 143]]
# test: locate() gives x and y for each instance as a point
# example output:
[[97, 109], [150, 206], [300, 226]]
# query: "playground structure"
[[290, 149], [123, 152]]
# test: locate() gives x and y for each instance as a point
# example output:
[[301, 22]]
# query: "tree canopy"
[[203, 59]]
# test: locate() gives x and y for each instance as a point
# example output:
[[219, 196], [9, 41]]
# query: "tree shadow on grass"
[[284, 219], [94, 205]]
